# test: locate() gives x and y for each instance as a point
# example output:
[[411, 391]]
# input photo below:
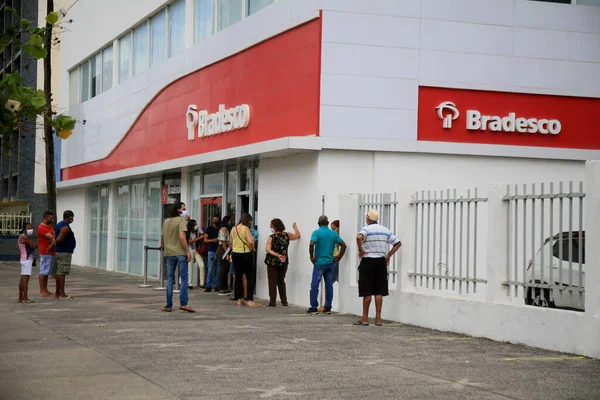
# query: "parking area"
[[111, 341]]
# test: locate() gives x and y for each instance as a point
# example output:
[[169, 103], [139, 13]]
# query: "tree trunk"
[[48, 130]]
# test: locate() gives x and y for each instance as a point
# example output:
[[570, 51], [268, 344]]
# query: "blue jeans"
[[213, 271], [172, 263], [320, 271]]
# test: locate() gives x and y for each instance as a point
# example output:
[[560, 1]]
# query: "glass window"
[[204, 12], [153, 224], [194, 208], [103, 231], [158, 38], [565, 248], [122, 226], [74, 87], [231, 190], [125, 58], [140, 49], [245, 176], [136, 227], [96, 75], [176, 27], [213, 181], [588, 2], [85, 81], [94, 212], [230, 12], [257, 5], [107, 68]]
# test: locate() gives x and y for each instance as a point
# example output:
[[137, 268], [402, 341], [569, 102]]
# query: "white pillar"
[[592, 257], [497, 248], [116, 61], [189, 23], [112, 227], [348, 288]]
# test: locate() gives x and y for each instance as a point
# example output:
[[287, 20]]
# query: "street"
[[112, 342]]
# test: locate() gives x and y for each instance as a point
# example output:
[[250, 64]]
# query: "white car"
[[544, 297]]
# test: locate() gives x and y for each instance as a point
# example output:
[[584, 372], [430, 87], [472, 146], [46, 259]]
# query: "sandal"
[[360, 323], [252, 304], [378, 323], [165, 309], [187, 308], [240, 303]]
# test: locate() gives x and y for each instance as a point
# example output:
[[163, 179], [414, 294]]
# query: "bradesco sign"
[[201, 123], [516, 119], [448, 111]]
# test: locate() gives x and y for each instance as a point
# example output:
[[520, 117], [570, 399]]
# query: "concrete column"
[[348, 288], [497, 248], [116, 61], [592, 257], [189, 23], [112, 226]]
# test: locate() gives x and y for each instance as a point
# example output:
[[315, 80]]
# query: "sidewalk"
[[111, 342]]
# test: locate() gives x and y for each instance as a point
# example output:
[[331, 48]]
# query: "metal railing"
[[387, 208], [446, 235], [548, 225], [11, 224]]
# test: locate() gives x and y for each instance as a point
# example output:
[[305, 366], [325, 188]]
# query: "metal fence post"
[[162, 273], [145, 271], [498, 246]]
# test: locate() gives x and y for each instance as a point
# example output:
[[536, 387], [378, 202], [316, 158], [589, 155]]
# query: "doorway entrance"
[[209, 208]]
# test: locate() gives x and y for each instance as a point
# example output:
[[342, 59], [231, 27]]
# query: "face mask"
[[29, 232], [183, 213], [272, 230], [215, 223]]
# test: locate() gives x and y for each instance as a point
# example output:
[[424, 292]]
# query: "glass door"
[[210, 208]]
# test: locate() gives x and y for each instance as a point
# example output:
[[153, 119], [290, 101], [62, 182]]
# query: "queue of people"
[[55, 247], [230, 265]]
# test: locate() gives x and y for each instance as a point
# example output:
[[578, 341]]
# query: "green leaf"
[[36, 52], [25, 23], [64, 122], [52, 18], [4, 41], [36, 40], [38, 101]]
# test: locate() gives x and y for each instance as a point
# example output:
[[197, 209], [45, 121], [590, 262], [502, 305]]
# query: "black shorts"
[[372, 277]]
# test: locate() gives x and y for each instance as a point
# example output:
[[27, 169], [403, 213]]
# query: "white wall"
[[110, 114], [376, 54], [289, 191], [76, 201]]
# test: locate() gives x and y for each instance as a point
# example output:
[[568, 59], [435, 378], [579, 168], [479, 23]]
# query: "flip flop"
[[165, 309], [378, 323], [66, 298], [187, 308], [27, 301], [360, 323]]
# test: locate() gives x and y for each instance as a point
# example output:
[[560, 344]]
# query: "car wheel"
[[539, 298]]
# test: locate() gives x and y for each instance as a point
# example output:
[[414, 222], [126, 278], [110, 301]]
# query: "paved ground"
[[111, 342]]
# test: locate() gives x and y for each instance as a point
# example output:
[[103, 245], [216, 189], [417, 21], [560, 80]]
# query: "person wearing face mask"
[[26, 249], [195, 237], [211, 238], [224, 243], [174, 240], [65, 246], [46, 242], [277, 259]]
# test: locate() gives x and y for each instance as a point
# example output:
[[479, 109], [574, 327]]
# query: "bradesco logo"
[[447, 111], [201, 123]]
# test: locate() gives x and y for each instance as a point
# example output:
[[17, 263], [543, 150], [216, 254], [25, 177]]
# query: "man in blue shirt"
[[65, 245], [322, 244]]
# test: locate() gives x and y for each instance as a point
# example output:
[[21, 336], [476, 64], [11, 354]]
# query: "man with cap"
[[373, 242]]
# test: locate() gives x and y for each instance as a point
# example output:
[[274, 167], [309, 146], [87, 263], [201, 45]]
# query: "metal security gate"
[[387, 208], [446, 239], [548, 225]]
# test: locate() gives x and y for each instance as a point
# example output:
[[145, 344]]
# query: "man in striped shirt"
[[373, 242]]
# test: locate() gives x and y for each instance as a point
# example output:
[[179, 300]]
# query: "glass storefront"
[[225, 188], [139, 221], [98, 226]]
